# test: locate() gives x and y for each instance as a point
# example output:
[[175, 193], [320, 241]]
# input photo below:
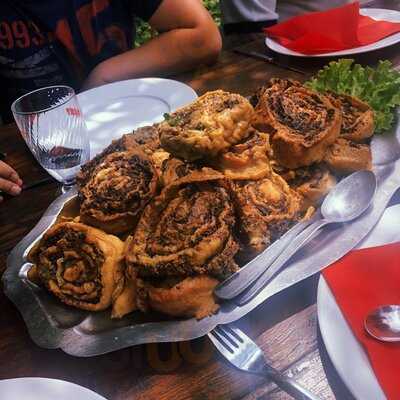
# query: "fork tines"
[[226, 337]]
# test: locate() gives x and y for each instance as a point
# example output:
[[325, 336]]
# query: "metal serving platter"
[[52, 324]]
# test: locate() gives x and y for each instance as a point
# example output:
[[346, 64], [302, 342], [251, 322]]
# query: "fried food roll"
[[357, 117], [126, 142], [185, 297], [313, 183], [185, 233], [148, 139], [266, 208], [84, 268], [246, 160], [173, 169], [186, 230], [117, 191], [206, 127], [345, 157], [304, 123]]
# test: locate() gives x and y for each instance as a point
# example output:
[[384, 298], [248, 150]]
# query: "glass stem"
[[67, 185]]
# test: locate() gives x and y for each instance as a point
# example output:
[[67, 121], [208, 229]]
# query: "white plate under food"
[[379, 14], [117, 108], [347, 355], [44, 389]]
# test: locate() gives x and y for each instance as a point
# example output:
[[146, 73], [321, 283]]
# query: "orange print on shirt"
[[64, 35], [84, 16]]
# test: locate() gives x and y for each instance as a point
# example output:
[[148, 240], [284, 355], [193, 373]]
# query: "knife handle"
[[241, 280], [287, 384]]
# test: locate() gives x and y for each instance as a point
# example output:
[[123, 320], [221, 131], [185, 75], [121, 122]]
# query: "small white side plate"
[[347, 355], [379, 14], [44, 389], [117, 108]]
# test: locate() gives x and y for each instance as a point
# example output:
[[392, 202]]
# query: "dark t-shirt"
[[52, 42]]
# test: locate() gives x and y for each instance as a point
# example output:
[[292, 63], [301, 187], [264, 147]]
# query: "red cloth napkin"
[[362, 281], [333, 30]]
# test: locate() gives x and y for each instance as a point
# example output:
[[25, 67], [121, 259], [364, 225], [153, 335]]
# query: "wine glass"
[[51, 123]]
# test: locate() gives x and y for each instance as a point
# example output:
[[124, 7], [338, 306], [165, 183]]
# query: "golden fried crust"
[[158, 157], [125, 297], [187, 230], [357, 117], [82, 266], [118, 190], [191, 297], [126, 142], [173, 169], [345, 157], [304, 122], [313, 183], [266, 208], [148, 139], [206, 127], [246, 160]]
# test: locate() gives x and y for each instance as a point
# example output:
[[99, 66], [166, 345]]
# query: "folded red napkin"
[[333, 30], [362, 281]]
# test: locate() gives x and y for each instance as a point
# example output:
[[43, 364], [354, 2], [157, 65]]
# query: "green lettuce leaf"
[[379, 87]]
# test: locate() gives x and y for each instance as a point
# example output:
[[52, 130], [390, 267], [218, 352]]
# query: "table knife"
[[269, 59], [40, 182]]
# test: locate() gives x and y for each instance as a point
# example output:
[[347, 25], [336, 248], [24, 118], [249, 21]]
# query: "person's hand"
[[10, 182]]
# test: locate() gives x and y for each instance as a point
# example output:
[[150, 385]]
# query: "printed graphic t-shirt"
[[52, 42]]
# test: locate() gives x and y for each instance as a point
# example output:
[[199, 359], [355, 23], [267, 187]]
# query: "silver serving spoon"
[[384, 323], [344, 203]]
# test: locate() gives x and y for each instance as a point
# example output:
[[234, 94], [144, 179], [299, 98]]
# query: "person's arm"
[[10, 182], [188, 37]]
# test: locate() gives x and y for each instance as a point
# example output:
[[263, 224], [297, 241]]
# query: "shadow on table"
[[280, 307]]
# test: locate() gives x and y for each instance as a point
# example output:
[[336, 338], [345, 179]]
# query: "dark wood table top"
[[285, 326]]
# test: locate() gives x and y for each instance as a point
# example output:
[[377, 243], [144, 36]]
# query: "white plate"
[[44, 389], [379, 14], [117, 108], [346, 353]]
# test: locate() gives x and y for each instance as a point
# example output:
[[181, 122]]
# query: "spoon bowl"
[[350, 198], [384, 323]]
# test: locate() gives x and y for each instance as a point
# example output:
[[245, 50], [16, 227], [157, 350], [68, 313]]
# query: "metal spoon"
[[344, 203], [384, 323]]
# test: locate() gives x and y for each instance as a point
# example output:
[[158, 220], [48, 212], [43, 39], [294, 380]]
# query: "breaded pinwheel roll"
[[313, 183], [266, 208], [208, 126], [173, 169], [84, 267], [357, 117], [303, 123], [183, 245], [346, 156], [117, 190], [124, 143], [148, 139], [248, 159]]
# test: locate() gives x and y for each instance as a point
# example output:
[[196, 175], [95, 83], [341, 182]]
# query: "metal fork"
[[245, 355]]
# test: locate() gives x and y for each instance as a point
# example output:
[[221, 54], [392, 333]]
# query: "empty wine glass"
[[51, 123]]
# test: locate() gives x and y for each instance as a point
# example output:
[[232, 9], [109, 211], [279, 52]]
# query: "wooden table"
[[285, 327]]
